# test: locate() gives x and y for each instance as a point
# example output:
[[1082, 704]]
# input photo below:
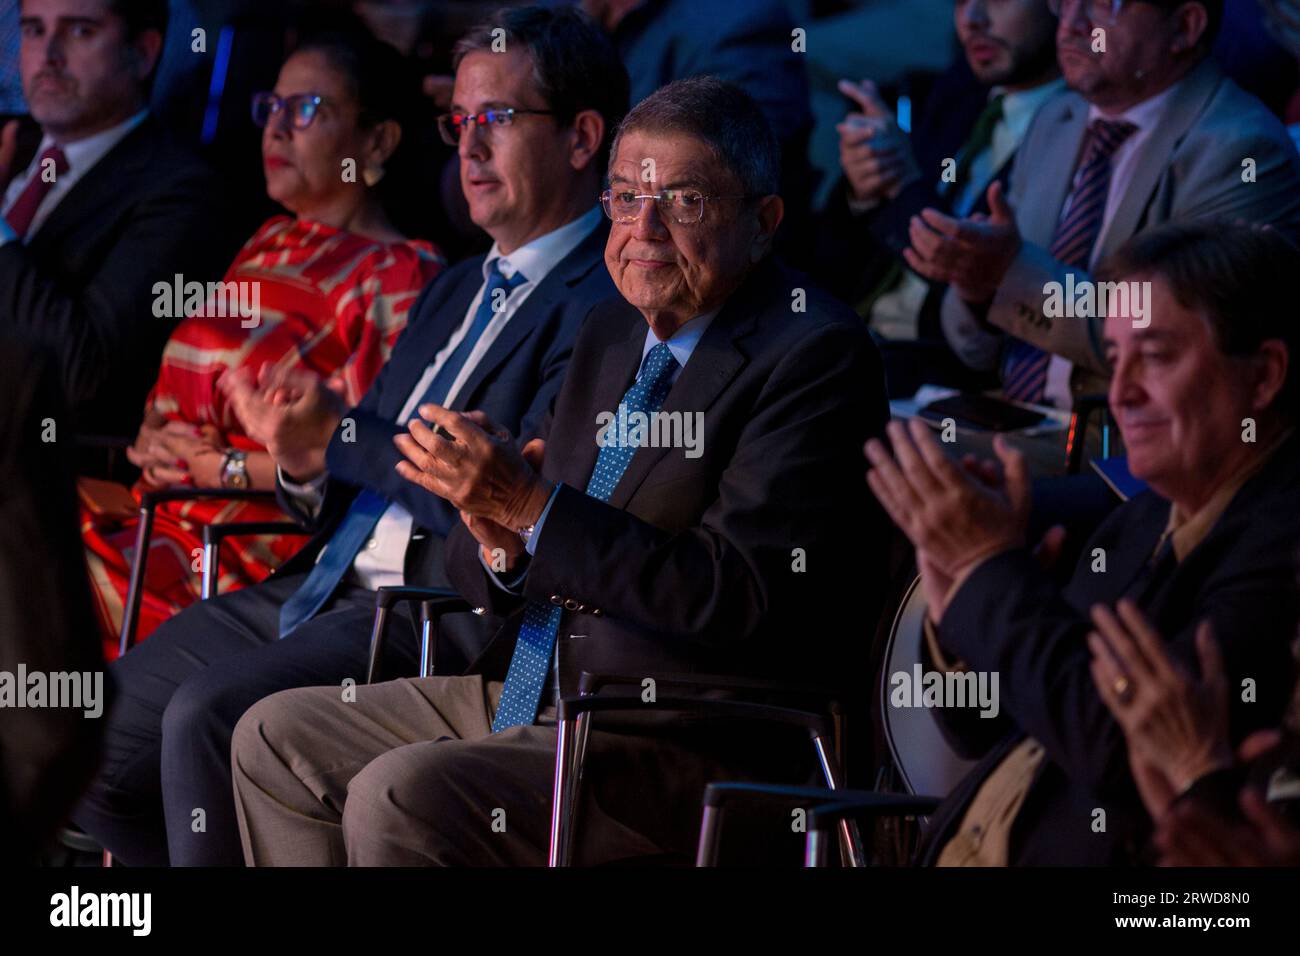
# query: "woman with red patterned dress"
[[332, 284]]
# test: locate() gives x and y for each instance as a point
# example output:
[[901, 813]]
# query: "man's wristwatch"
[[234, 469]]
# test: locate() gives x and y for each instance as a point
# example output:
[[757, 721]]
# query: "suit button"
[[557, 600], [571, 605], [597, 612], [480, 611], [372, 544]]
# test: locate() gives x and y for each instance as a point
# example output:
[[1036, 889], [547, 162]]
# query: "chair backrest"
[[926, 763]]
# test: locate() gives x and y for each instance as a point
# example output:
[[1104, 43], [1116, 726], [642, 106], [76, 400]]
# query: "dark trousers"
[[163, 794]]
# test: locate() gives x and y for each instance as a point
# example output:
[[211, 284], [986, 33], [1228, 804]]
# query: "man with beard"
[[977, 116]]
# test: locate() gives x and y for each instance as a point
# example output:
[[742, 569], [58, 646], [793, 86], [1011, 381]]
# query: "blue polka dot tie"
[[541, 623]]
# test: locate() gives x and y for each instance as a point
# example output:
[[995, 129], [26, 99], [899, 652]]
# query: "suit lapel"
[[619, 362], [1185, 106], [446, 318], [111, 180], [1039, 213], [711, 367], [572, 269]]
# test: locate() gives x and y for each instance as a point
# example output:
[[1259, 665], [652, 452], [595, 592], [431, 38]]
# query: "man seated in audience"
[[1211, 807], [109, 206], [1152, 131], [751, 44], [1207, 401], [493, 333], [724, 553], [974, 120]]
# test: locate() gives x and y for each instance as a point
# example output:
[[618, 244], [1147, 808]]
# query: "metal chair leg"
[[376, 643], [211, 566], [581, 731], [710, 834], [815, 849], [135, 587], [428, 639], [849, 837], [564, 748]]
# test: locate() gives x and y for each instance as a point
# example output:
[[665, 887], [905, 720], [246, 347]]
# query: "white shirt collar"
[[1143, 115], [1018, 108], [85, 153], [682, 342], [537, 258]]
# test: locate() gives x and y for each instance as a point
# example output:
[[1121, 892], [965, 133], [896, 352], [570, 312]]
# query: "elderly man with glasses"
[[721, 533]]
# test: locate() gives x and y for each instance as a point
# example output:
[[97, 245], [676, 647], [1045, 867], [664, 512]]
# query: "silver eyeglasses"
[[684, 206]]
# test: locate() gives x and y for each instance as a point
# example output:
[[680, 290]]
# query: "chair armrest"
[[861, 803], [818, 725], [589, 683], [214, 534], [150, 499], [826, 807], [434, 604], [149, 502]]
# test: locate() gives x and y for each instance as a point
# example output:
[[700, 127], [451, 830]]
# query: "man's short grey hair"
[[721, 115]]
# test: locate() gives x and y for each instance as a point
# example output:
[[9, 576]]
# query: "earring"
[[372, 174]]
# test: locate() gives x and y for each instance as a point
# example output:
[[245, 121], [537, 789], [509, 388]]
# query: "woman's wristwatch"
[[234, 469]]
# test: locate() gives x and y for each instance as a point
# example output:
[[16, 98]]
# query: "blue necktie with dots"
[[541, 624], [369, 506]]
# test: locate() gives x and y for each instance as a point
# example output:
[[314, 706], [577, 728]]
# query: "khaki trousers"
[[409, 773]]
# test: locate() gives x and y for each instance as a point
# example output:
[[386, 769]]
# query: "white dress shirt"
[[82, 157], [382, 561], [1123, 165]]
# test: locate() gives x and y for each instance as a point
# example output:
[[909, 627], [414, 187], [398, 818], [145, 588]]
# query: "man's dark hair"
[[141, 15], [575, 64], [723, 116], [374, 72], [1238, 276], [1213, 16]]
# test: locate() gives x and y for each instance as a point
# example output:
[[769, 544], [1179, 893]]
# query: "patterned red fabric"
[[331, 301]]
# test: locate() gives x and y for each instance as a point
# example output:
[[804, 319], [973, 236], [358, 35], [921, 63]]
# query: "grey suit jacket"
[[1190, 167]]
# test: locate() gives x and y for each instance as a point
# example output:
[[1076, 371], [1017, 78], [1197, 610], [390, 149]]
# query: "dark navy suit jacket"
[[514, 384], [1010, 617]]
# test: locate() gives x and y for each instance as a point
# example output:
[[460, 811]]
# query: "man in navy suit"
[[494, 334]]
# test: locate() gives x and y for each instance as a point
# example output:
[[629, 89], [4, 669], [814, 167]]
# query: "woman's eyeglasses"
[[302, 108]]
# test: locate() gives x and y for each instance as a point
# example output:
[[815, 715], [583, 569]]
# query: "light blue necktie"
[[369, 506], [537, 632]]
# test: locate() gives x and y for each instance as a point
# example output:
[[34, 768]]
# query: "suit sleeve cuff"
[[531, 544]]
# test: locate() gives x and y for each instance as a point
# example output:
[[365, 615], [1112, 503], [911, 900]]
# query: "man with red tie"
[[107, 207]]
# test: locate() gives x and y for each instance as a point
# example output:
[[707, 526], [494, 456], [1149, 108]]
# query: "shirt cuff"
[[512, 582], [308, 494], [531, 544]]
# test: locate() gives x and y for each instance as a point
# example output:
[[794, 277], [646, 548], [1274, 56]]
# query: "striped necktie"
[[23, 212], [1024, 371], [537, 632]]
